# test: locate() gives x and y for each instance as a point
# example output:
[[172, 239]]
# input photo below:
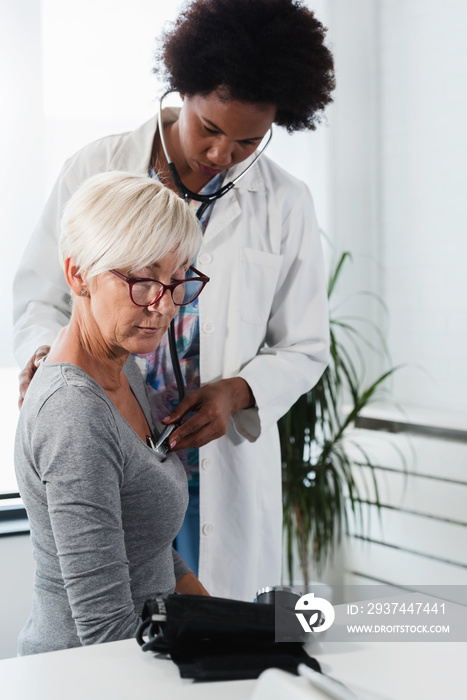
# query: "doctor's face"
[[216, 134]]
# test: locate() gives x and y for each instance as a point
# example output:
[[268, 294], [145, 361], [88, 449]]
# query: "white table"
[[121, 671], [398, 670], [117, 671]]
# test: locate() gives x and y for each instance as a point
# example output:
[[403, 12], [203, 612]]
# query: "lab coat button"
[[207, 528], [205, 258], [208, 327], [205, 464]]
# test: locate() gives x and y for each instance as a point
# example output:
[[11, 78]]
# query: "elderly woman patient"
[[103, 508]]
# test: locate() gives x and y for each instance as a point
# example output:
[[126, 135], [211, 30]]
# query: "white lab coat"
[[263, 317]]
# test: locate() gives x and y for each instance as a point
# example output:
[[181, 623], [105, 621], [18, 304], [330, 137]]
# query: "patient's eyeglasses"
[[146, 292]]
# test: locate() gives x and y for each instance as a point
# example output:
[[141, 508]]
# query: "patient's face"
[[123, 326]]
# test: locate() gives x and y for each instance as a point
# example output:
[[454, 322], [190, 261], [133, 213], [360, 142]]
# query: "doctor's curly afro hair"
[[252, 51]]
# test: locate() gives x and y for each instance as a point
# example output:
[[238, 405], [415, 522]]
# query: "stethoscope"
[[162, 444]]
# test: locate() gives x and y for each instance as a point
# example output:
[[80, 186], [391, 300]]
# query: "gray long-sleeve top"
[[103, 511]]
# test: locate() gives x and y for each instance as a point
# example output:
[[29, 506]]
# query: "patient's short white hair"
[[118, 220]]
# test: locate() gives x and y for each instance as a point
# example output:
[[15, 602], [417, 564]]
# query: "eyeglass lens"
[[145, 293]]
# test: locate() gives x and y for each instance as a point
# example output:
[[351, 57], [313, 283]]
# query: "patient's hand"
[[189, 584], [26, 375]]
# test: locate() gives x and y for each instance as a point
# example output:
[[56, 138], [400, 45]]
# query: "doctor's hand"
[[26, 375], [213, 405]]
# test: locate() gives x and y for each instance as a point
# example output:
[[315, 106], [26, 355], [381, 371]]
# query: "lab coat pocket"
[[260, 272]]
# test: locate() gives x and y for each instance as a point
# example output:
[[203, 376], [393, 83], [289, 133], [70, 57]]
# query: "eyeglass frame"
[[133, 280]]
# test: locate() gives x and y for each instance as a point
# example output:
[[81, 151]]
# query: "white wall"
[[21, 144], [353, 163], [97, 70], [16, 579], [398, 183], [400, 148], [424, 206]]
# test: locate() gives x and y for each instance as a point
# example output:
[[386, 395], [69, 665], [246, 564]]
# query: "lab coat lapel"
[[225, 211], [228, 208], [134, 152]]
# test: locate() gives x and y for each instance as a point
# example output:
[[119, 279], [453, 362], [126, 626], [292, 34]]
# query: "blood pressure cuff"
[[217, 638], [211, 661]]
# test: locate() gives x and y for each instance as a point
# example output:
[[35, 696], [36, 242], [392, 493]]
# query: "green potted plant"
[[320, 492]]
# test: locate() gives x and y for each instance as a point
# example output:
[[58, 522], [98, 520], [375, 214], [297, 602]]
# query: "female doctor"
[[259, 337]]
